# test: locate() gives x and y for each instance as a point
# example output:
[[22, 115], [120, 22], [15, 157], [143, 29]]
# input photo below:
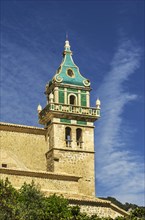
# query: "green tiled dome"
[[68, 72]]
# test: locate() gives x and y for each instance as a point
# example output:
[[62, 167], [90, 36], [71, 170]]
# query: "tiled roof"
[[20, 126]]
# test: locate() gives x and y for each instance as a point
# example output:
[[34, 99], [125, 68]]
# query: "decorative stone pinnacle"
[[98, 103], [67, 45], [39, 108], [51, 97]]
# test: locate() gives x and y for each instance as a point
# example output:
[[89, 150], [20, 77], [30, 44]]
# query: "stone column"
[[65, 96], [79, 97], [88, 98], [56, 95], [47, 99], [73, 137]]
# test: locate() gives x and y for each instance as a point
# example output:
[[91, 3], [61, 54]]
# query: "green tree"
[[77, 215], [122, 218], [30, 202], [138, 213], [56, 207], [8, 201]]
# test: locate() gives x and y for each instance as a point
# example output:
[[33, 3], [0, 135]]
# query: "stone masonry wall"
[[77, 163], [57, 134], [100, 211], [22, 150], [72, 160], [48, 184], [59, 184]]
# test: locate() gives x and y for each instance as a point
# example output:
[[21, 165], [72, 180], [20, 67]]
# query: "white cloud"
[[119, 170]]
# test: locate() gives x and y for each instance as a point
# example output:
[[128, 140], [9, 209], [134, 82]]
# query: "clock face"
[[70, 73]]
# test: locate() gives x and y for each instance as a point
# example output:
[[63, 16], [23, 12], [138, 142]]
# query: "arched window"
[[72, 100], [68, 136], [79, 137]]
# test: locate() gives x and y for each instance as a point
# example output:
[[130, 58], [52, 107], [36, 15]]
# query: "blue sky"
[[107, 40]]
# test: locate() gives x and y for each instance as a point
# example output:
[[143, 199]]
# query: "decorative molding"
[[45, 175], [71, 149], [22, 128]]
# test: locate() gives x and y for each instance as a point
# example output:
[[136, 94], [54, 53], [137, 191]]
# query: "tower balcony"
[[68, 111]]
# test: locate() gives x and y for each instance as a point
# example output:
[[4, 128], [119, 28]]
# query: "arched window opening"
[[68, 136], [79, 137], [72, 100]]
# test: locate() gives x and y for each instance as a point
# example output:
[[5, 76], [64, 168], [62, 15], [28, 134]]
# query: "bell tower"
[[69, 121]]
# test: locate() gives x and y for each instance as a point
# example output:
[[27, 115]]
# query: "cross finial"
[[66, 35], [67, 45]]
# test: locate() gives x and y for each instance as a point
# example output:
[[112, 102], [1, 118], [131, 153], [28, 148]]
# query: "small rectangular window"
[[56, 159], [4, 165]]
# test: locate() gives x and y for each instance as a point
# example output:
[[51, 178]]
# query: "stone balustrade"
[[69, 109]]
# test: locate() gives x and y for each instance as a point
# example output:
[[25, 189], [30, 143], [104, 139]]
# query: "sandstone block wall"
[[79, 163], [23, 148], [49, 183], [72, 159], [56, 136], [26, 153], [99, 210]]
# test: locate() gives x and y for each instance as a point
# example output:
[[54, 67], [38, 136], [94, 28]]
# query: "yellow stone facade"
[[72, 160], [25, 150], [23, 147]]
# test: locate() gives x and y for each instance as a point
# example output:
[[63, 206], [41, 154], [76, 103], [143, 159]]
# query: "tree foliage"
[[8, 200], [29, 203], [138, 213]]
